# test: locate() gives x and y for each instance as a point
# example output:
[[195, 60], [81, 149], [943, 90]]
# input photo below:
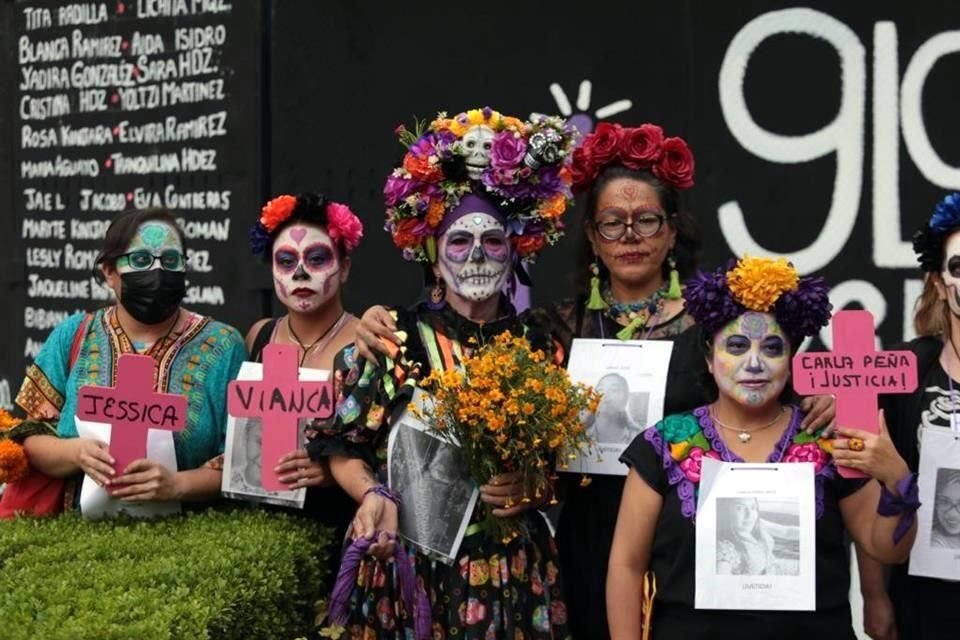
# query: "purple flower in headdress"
[[946, 217], [487, 112], [507, 150], [708, 300], [805, 310], [260, 240], [397, 189], [548, 182], [425, 146]]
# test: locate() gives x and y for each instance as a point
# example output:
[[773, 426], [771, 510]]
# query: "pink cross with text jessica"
[[132, 407], [279, 400], [855, 373]]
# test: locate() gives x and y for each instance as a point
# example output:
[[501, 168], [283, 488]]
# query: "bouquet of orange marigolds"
[[13, 459], [510, 410]]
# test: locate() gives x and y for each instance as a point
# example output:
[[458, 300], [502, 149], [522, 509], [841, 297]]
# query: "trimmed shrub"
[[219, 575]]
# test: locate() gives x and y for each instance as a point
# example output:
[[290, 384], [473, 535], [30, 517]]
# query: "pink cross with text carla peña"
[[132, 407], [855, 373], [279, 400]]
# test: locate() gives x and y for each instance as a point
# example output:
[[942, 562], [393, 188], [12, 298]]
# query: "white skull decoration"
[[476, 143]]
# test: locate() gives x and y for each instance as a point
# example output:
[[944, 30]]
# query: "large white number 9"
[[844, 135]]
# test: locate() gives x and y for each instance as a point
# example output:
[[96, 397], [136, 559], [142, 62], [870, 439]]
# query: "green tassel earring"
[[595, 302], [674, 292]]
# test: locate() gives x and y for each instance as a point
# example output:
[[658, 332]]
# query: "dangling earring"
[[674, 292], [437, 298], [595, 302]]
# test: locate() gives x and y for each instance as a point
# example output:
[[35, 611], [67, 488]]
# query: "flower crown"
[[343, 226], [515, 164], [800, 305], [643, 147], [928, 241]]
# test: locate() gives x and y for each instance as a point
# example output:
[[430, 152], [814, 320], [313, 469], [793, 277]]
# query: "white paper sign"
[[241, 457], [96, 503], [437, 494], [756, 537], [936, 551], [631, 376]]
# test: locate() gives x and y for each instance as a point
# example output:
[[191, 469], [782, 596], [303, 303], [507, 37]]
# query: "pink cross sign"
[[132, 407], [279, 400], [855, 372]]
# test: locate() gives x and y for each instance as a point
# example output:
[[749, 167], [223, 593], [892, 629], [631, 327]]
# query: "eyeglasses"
[[142, 260], [644, 225]]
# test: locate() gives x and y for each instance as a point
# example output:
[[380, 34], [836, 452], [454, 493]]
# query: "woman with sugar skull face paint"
[[913, 606], [307, 240], [752, 315], [143, 262], [471, 215]]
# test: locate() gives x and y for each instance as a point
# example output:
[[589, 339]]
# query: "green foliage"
[[245, 574]]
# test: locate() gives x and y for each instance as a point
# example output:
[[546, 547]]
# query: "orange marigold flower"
[[757, 283], [435, 212], [7, 421], [554, 207], [13, 462], [422, 168], [275, 212]]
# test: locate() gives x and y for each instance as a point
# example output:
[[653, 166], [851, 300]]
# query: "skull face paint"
[[951, 272], [474, 255], [477, 142], [750, 362], [305, 268]]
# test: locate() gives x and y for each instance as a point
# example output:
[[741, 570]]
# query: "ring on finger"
[[856, 444]]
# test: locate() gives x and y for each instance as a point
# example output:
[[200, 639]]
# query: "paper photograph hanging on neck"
[[936, 551], [756, 537], [631, 377]]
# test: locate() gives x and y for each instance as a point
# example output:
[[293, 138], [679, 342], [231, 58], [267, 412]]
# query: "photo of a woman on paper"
[[748, 543], [946, 510]]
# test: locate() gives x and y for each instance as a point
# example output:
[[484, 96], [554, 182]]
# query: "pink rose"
[[694, 462], [807, 452], [343, 226], [507, 150]]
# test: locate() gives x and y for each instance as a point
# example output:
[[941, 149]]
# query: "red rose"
[[602, 146], [675, 166], [582, 171], [526, 245], [404, 235], [640, 147]]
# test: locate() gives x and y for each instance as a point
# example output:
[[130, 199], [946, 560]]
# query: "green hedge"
[[243, 574]]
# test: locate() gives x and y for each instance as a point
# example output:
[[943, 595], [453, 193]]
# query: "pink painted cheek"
[[280, 288]]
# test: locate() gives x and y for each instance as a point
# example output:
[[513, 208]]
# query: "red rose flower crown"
[[638, 148]]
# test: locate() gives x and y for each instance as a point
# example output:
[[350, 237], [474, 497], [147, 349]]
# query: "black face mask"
[[152, 296]]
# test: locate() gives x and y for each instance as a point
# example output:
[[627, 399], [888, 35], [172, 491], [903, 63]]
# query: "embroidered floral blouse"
[[668, 457]]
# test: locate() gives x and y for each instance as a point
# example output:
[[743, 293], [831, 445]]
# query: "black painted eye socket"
[[737, 345], [953, 266]]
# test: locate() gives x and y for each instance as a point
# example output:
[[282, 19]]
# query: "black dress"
[[660, 456], [331, 506], [492, 591], [925, 608], [589, 514]]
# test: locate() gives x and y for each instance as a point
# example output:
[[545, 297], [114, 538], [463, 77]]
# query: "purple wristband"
[[383, 492], [905, 505]]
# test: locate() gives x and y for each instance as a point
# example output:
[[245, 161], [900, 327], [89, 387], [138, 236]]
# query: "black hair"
[[311, 208], [122, 230], [687, 247]]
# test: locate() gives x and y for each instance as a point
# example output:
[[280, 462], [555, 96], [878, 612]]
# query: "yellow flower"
[[757, 283]]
